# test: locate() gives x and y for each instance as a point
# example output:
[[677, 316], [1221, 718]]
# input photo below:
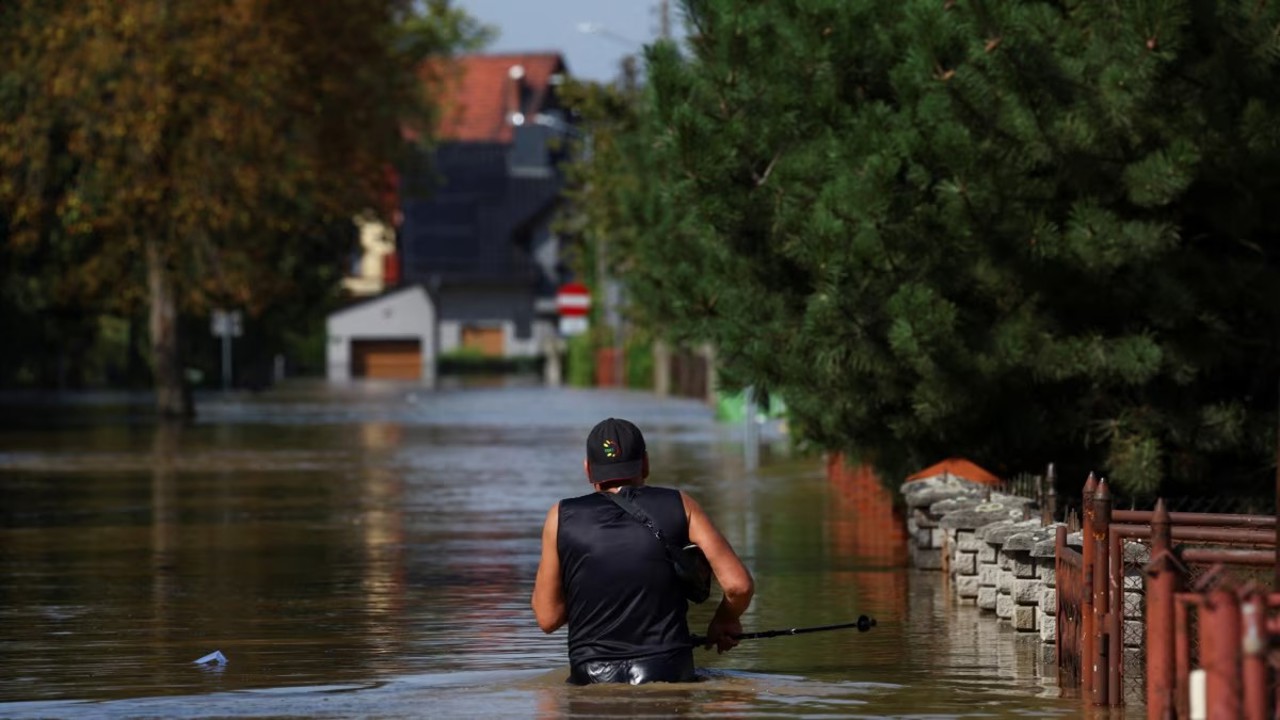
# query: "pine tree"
[[1018, 231]]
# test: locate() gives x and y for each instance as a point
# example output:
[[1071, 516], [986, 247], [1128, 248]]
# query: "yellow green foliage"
[[183, 153]]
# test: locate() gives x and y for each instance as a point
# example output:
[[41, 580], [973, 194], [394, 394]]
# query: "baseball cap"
[[615, 451]]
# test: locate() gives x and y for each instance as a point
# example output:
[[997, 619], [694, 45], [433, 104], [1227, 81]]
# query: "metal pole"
[[609, 289], [602, 285], [226, 358], [619, 347], [552, 372], [750, 445]]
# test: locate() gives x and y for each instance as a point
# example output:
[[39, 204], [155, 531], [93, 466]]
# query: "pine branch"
[[761, 178]]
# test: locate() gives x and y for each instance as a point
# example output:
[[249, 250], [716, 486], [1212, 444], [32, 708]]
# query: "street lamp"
[[595, 28]]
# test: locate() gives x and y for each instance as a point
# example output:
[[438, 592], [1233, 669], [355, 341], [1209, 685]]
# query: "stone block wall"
[[998, 554]]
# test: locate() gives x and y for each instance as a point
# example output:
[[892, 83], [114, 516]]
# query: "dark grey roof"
[[469, 229]]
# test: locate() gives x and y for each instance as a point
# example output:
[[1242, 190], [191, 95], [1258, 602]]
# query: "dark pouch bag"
[[689, 562]]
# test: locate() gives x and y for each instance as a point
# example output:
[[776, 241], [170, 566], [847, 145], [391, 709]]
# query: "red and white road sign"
[[573, 299]]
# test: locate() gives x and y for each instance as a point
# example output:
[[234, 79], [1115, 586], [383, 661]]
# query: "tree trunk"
[[172, 400]]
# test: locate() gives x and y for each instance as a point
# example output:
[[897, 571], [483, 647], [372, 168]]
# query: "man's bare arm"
[[548, 591], [731, 574]]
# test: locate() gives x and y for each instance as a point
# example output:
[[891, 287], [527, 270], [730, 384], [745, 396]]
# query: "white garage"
[[391, 336]]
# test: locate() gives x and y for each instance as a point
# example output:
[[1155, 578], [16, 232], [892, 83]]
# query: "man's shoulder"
[[661, 490], [579, 500], [592, 498]]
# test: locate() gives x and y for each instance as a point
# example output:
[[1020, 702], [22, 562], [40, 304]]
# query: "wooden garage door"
[[488, 340], [387, 359]]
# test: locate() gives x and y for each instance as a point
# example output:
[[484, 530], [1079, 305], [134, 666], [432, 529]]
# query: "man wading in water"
[[604, 573]]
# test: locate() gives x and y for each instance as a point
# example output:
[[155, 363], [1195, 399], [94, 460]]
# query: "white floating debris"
[[214, 658]]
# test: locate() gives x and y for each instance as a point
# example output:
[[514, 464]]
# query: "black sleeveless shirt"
[[623, 599]]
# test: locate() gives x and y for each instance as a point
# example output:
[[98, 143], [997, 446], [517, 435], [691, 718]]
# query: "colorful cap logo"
[[615, 451]]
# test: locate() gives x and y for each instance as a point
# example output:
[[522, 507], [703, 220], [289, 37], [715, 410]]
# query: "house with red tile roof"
[[482, 92], [477, 225], [474, 237]]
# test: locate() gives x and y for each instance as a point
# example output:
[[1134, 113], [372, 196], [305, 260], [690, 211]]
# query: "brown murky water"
[[369, 552]]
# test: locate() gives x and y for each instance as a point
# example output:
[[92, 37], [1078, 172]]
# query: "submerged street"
[[369, 551]]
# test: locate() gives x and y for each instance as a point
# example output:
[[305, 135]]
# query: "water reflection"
[[369, 551]]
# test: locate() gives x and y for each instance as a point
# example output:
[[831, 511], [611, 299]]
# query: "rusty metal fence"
[[1120, 601], [1209, 614], [1070, 590]]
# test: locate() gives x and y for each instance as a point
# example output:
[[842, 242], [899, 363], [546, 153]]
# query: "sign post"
[[573, 301], [226, 324]]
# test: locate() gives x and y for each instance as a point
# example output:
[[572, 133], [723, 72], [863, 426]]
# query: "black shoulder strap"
[[640, 515]]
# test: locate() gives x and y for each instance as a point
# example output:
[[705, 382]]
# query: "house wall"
[[515, 346], [405, 314], [510, 308]]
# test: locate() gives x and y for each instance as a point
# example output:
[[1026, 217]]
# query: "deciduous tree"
[[181, 153]]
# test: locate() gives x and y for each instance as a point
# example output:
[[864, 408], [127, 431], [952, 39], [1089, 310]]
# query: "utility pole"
[[664, 19], [604, 284], [612, 291]]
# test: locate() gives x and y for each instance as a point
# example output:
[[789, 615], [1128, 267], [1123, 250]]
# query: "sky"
[[623, 27]]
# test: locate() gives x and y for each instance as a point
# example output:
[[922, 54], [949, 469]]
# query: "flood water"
[[369, 551]]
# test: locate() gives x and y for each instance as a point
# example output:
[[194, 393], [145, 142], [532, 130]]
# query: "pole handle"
[[863, 624]]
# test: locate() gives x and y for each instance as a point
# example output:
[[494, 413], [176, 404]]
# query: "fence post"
[[1254, 649], [1220, 653], [1161, 586], [1051, 497], [1086, 591], [1115, 619], [1182, 654], [1101, 597]]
